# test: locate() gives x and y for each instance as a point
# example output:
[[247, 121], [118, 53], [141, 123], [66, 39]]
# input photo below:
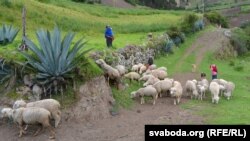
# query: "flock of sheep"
[[157, 83], [38, 112]]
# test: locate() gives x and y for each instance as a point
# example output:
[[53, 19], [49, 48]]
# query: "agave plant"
[[5, 71], [7, 34], [54, 59]]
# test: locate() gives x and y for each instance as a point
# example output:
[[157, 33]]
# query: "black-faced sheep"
[[51, 105]]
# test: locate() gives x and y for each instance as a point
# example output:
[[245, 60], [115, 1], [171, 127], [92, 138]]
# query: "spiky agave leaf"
[[7, 34], [54, 58]]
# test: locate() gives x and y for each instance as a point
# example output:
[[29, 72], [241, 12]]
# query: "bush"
[[187, 25], [216, 18], [6, 3], [176, 35]]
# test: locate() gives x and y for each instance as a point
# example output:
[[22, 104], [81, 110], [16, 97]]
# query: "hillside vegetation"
[[129, 25]]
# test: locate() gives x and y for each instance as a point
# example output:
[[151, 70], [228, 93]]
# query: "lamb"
[[176, 92], [121, 69], [147, 91], [222, 84], [132, 76], [191, 89], [152, 80], [201, 91], [163, 86], [111, 72], [53, 106], [202, 87], [215, 90], [6, 112], [32, 115], [230, 86]]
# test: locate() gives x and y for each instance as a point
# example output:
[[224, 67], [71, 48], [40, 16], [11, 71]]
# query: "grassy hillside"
[[129, 25]]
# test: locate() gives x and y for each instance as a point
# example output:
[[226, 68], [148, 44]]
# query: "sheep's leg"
[[52, 132], [142, 100], [38, 131], [154, 97], [57, 117], [174, 101], [20, 130], [26, 127], [178, 100]]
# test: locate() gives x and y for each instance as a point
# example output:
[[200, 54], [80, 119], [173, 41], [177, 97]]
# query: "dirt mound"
[[95, 101], [117, 3]]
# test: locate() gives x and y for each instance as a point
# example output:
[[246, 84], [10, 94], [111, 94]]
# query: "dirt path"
[[128, 125], [207, 42]]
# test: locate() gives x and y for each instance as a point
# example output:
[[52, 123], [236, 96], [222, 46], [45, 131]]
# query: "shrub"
[[6, 3], [176, 35], [7, 34], [54, 59], [216, 18], [187, 25], [133, 2]]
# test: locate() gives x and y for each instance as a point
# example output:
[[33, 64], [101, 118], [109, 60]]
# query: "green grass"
[[245, 8], [129, 25], [234, 111], [170, 61]]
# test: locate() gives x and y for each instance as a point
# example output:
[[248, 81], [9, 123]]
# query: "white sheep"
[[151, 81], [163, 86], [201, 91], [160, 74], [122, 70], [143, 68], [32, 115], [6, 112], [132, 76], [152, 67], [215, 90], [136, 67], [111, 72], [191, 89], [145, 77], [162, 68], [147, 91], [230, 86], [51, 105], [176, 92]]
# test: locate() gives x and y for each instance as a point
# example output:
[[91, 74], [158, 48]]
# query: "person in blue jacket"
[[109, 36]]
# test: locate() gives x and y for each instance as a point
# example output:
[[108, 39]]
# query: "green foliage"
[[216, 18], [7, 34], [133, 2], [239, 67], [55, 58], [176, 35], [188, 22], [241, 40], [44, 1], [6, 3], [5, 71]]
